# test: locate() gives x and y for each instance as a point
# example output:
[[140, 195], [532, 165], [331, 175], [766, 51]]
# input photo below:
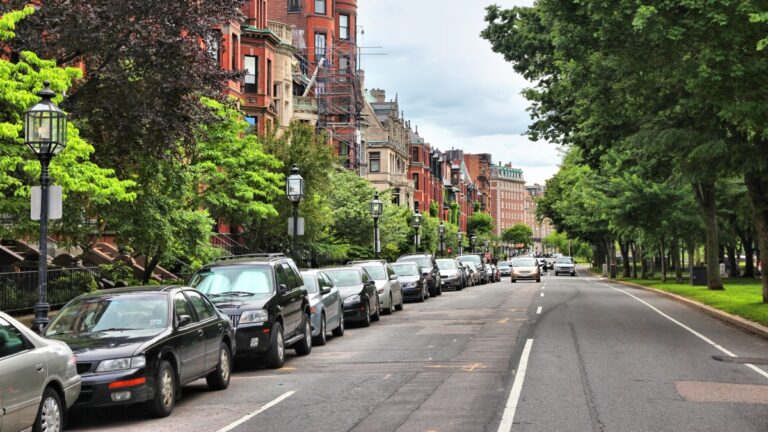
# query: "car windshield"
[[524, 262], [143, 314], [310, 283], [564, 261], [377, 272], [470, 258], [503, 264], [421, 261], [406, 269], [446, 264], [235, 280], [342, 278]]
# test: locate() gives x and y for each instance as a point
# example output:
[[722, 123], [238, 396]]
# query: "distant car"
[[464, 272], [565, 265], [387, 283], [142, 344], [504, 268], [428, 269], [550, 262], [325, 304], [413, 283], [450, 273], [38, 379], [525, 269], [474, 273], [358, 292], [495, 271], [478, 262]]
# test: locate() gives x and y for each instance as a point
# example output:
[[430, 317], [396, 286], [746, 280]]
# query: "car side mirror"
[[282, 289], [325, 290], [393, 277], [184, 320]]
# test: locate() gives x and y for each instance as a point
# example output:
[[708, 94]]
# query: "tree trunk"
[[733, 262], [663, 257], [150, 267], [757, 190], [611, 247], [624, 247], [634, 260], [749, 254], [691, 257], [706, 199], [675, 253], [643, 264]]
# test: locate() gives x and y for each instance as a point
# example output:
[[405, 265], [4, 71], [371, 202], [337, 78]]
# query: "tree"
[[521, 235], [479, 224]]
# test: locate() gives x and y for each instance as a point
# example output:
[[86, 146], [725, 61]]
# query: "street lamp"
[[472, 239], [377, 208], [441, 232], [460, 247], [45, 132], [294, 190], [416, 224]]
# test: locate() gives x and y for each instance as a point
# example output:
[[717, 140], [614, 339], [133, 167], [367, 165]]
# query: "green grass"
[[742, 297]]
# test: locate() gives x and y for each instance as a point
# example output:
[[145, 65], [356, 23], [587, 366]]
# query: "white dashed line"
[[508, 417], [263, 408], [538, 311], [542, 294]]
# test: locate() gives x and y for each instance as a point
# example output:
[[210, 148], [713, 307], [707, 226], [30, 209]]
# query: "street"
[[590, 356]]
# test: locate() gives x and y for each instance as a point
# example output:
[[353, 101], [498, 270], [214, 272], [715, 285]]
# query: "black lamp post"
[[377, 208], [460, 247], [294, 190], [45, 132], [416, 224], [441, 232]]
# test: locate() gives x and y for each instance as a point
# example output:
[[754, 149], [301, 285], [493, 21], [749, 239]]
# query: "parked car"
[[387, 284], [525, 268], [450, 273], [429, 269], [565, 265], [264, 297], [325, 305], [142, 344], [412, 282], [504, 268], [38, 379], [358, 293], [478, 262], [474, 273], [464, 273], [489, 273]]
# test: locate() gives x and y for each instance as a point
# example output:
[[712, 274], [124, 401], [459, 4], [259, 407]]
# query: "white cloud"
[[449, 82]]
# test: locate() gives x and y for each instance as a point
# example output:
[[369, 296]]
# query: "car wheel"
[[165, 391], [50, 415], [321, 338], [538, 280], [421, 297], [339, 330], [391, 308], [276, 354], [219, 378], [377, 315], [401, 306], [367, 320], [573, 274], [514, 280], [440, 289], [304, 346]]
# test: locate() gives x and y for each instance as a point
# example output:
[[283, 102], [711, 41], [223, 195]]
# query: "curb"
[[737, 321]]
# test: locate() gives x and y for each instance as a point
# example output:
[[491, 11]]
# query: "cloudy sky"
[[449, 82]]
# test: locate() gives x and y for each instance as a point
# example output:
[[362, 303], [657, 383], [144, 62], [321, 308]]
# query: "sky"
[[449, 83]]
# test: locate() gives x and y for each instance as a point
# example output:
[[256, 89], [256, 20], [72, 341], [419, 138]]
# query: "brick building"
[[508, 197], [479, 168]]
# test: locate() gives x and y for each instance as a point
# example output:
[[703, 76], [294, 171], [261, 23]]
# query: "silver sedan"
[[387, 283], [325, 304], [38, 379]]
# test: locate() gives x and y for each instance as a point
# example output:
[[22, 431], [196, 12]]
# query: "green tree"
[[521, 235], [480, 224]]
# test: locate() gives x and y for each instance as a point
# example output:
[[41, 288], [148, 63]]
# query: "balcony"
[[282, 31]]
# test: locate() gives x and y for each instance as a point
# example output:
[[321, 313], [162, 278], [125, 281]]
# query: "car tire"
[[339, 330], [421, 296], [391, 308], [165, 391], [321, 338], [276, 355], [367, 321], [573, 274], [514, 280], [50, 414], [377, 315], [401, 306], [440, 290], [219, 378], [538, 280], [304, 346]]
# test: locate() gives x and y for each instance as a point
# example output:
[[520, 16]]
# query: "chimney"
[[379, 95]]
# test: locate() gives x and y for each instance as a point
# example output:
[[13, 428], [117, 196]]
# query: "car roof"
[[415, 256], [135, 290], [249, 259], [372, 261], [327, 269]]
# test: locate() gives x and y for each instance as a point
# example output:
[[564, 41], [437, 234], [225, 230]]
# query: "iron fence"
[[18, 290]]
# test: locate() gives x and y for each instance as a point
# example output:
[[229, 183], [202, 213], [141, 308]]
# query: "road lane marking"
[[538, 311], [508, 417], [542, 294], [690, 330], [263, 408], [465, 368], [504, 321]]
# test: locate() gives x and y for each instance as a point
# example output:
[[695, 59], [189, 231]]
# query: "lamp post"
[[45, 132], [460, 247], [294, 190], [472, 239], [416, 224], [377, 208], [441, 232]]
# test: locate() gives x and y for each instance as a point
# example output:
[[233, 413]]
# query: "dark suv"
[[265, 299], [429, 270]]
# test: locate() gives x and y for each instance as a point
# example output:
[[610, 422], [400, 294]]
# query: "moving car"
[[387, 283], [504, 268], [450, 273], [358, 292], [413, 283], [264, 297], [142, 344], [525, 268], [478, 262], [429, 269], [325, 305], [38, 379], [565, 265]]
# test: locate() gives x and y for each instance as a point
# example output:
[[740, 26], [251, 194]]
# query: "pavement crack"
[[589, 394]]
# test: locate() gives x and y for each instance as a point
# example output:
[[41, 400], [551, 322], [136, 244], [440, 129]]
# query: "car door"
[[369, 289], [23, 372], [189, 340], [394, 285], [331, 300], [211, 325], [290, 299]]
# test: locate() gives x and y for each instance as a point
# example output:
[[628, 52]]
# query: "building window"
[[415, 154], [269, 77], [344, 27], [320, 7], [294, 5], [374, 162], [319, 46], [253, 123], [235, 46], [213, 42], [416, 181], [251, 74], [344, 63]]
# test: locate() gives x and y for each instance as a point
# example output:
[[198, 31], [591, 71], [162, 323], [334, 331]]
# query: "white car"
[[38, 379], [565, 265], [387, 284]]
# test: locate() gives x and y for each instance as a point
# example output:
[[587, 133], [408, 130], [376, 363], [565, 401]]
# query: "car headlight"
[[254, 316], [352, 299], [122, 364]]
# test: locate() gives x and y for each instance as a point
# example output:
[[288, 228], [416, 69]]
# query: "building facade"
[[507, 197]]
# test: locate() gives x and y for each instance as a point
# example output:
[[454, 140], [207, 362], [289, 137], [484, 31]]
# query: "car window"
[[282, 277], [311, 283], [203, 309], [108, 315], [390, 272], [564, 261], [406, 269], [376, 271], [346, 277], [293, 277], [328, 281], [181, 306], [446, 265], [11, 340], [524, 262], [219, 281]]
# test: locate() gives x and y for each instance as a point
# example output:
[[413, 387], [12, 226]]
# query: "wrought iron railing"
[[19, 292]]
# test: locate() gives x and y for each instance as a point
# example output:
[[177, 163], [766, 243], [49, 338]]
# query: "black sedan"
[[359, 294], [141, 344]]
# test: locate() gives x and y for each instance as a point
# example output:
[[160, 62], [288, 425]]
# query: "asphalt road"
[[567, 354]]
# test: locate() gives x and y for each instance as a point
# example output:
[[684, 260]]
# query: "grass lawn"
[[742, 297]]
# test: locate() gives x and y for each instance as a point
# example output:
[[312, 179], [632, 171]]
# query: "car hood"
[[409, 279], [241, 303], [346, 291], [93, 349]]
